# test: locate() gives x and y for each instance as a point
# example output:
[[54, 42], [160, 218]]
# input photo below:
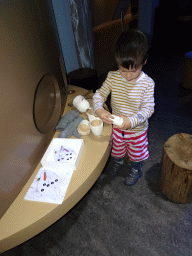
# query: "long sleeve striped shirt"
[[133, 100]]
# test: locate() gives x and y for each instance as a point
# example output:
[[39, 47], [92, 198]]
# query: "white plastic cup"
[[96, 127], [91, 116], [117, 120], [84, 127], [81, 103]]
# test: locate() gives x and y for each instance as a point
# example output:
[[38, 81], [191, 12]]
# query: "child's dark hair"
[[131, 49]]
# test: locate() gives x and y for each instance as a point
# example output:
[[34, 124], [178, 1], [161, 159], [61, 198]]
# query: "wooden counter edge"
[[51, 217]]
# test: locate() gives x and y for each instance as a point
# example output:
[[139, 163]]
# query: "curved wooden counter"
[[25, 219]]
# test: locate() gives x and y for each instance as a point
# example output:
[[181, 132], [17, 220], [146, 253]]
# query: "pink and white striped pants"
[[135, 146]]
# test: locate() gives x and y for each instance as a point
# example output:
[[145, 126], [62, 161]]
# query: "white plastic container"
[[48, 159], [117, 120], [81, 103], [84, 127], [91, 116], [96, 127]]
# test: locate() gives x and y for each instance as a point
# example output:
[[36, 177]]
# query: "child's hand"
[[104, 115], [125, 125]]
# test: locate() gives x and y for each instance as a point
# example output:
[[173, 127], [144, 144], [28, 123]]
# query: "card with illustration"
[[49, 186], [64, 155]]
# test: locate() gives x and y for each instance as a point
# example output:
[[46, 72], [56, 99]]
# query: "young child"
[[132, 98]]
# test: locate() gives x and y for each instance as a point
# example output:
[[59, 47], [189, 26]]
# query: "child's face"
[[131, 75]]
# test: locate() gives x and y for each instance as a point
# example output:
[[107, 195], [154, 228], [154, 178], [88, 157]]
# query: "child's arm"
[[99, 98], [147, 107], [146, 111], [104, 115]]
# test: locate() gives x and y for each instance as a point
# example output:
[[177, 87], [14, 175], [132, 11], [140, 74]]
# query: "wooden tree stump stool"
[[176, 169]]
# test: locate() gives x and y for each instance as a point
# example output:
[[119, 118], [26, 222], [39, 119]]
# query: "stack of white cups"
[[94, 123]]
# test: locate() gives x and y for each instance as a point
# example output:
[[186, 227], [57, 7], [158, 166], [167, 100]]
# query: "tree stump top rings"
[[179, 149]]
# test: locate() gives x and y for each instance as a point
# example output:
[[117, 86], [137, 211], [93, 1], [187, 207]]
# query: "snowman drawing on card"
[[49, 184], [64, 155]]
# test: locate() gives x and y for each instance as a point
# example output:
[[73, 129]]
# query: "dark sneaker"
[[113, 168], [133, 177]]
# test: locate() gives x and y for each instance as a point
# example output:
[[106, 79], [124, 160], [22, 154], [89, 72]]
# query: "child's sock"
[[137, 165], [114, 166], [119, 160]]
